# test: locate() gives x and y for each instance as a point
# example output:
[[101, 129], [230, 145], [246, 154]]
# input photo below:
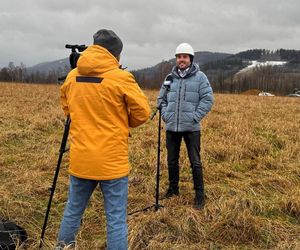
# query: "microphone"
[[168, 81], [167, 85], [165, 90]]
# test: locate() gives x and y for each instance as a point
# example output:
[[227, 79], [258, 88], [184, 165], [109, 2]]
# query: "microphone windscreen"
[[169, 78], [168, 81]]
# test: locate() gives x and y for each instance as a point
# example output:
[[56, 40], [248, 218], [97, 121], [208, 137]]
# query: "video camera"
[[74, 56]]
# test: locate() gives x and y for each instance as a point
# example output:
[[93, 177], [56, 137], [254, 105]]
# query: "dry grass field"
[[251, 157]]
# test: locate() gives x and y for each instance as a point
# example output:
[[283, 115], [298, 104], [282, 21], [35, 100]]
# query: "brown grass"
[[250, 152], [251, 92]]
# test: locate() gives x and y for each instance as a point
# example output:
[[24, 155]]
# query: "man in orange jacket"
[[103, 101]]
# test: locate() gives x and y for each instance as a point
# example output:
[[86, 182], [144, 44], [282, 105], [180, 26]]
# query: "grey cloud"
[[36, 31]]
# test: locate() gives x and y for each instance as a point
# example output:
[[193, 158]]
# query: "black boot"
[[199, 200], [171, 192]]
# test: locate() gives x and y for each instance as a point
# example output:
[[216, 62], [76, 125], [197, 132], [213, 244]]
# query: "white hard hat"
[[184, 48]]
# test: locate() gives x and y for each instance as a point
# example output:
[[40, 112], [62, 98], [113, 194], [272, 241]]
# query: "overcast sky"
[[34, 31]]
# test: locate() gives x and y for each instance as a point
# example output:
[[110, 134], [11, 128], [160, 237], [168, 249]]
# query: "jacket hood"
[[194, 68], [96, 60]]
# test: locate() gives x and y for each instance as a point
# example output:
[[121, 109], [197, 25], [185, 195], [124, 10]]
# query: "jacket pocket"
[[167, 116], [195, 117], [187, 117]]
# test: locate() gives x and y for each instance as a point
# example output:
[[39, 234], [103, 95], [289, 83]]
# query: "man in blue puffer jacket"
[[185, 99]]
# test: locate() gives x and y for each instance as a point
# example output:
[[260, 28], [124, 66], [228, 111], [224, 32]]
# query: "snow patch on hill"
[[261, 64]]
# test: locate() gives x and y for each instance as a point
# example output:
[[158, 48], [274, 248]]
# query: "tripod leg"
[[52, 189]]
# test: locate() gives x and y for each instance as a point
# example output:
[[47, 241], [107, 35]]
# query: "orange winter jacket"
[[103, 101]]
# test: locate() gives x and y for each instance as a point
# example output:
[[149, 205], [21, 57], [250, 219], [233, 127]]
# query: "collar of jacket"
[[194, 68], [184, 72], [96, 60]]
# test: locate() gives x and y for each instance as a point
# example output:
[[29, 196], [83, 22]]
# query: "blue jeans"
[[115, 194]]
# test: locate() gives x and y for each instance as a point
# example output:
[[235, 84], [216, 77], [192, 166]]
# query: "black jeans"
[[192, 142]]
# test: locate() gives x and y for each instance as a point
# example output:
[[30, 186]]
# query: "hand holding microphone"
[[164, 90]]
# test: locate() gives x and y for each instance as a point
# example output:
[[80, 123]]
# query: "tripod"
[[73, 58], [62, 150]]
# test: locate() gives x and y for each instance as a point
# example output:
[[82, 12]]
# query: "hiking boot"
[[199, 201], [171, 192]]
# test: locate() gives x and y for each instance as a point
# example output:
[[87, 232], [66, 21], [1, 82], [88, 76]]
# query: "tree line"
[[222, 74], [19, 73]]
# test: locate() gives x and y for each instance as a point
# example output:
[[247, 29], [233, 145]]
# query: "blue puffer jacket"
[[187, 100]]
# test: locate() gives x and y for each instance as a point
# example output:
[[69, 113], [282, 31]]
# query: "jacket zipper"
[[178, 103]]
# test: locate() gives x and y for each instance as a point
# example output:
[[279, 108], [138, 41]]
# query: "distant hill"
[[280, 73], [281, 76], [61, 65], [275, 71], [152, 77]]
